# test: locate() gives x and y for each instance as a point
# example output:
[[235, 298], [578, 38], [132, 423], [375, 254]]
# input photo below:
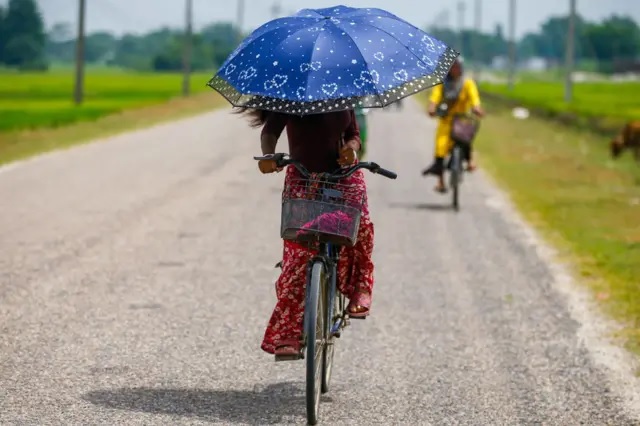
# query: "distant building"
[[501, 63]]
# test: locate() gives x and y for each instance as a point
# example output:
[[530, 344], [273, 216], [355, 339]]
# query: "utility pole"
[[570, 52], [461, 9], [186, 54], [512, 43], [478, 28], [79, 81], [240, 19]]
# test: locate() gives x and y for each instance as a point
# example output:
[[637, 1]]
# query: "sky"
[[137, 16]]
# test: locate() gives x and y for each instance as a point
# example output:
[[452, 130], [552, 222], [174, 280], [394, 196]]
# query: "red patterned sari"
[[355, 272]]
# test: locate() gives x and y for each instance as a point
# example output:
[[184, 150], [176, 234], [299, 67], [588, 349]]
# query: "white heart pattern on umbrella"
[[425, 60], [230, 69], [248, 73], [276, 82], [329, 89], [428, 43], [401, 75], [314, 66], [379, 56], [367, 77]]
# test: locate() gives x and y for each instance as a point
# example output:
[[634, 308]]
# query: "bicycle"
[[464, 127], [304, 203]]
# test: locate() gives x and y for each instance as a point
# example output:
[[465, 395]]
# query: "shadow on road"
[[272, 404], [422, 206]]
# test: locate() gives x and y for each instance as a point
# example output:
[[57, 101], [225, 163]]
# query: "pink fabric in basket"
[[334, 223]]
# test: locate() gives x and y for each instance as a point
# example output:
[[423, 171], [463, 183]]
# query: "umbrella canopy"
[[324, 60]]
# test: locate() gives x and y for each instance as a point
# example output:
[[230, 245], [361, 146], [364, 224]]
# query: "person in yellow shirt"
[[457, 95]]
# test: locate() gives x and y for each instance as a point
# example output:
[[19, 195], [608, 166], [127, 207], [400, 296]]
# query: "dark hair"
[[257, 117], [459, 61]]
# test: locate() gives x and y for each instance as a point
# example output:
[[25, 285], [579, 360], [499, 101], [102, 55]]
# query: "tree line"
[[26, 44], [614, 39]]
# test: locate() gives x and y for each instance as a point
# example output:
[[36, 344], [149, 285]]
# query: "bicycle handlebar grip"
[[387, 173]]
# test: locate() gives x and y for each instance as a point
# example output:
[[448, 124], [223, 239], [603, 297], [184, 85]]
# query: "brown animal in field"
[[628, 138]]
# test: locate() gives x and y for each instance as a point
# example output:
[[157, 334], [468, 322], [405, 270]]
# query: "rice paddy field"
[[609, 103], [45, 100]]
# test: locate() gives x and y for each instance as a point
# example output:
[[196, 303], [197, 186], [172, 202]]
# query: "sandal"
[[440, 189], [288, 350], [359, 305]]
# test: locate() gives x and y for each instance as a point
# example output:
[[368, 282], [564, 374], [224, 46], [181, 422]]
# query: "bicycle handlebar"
[[283, 160]]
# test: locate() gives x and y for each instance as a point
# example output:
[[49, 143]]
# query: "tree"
[[60, 32], [223, 38], [99, 46], [3, 33], [615, 38], [25, 35], [170, 58]]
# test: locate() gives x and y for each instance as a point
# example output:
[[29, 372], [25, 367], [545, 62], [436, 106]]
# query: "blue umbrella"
[[333, 59]]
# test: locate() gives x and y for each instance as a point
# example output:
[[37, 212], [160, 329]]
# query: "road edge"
[[595, 328], [105, 137], [114, 125]]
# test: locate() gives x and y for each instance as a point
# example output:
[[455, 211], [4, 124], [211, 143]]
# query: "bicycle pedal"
[[357, 318], [280, 358]]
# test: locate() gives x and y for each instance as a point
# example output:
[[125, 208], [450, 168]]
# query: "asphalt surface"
[[136, 279]]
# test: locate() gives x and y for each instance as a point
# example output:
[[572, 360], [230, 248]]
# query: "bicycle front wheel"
[[314, 325], [334, 311]]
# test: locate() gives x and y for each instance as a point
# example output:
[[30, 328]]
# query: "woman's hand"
[[478, 111], [268, 166], [348, 156], [431, 110]]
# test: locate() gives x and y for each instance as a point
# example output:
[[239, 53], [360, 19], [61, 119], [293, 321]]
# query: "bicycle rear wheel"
[[455, 176], [315, 331]]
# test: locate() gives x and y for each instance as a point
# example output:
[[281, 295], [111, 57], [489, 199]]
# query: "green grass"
[[605, 105], [44, 100], [37, 113], [586, 204]]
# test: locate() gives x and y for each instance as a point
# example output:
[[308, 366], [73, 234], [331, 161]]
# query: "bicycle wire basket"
[[320, 211], [464, 128]]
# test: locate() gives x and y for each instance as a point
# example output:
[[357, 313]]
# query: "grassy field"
[[37, 100], [606, 105], [586, 204], [37, 114]]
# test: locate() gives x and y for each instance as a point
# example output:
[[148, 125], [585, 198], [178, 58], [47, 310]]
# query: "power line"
[[79, 78], [570, 52]]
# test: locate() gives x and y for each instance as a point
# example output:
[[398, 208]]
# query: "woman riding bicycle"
[[322, 143], [458, 95]]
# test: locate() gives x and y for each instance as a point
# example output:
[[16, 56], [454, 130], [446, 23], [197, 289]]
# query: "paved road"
[[136, 279]]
